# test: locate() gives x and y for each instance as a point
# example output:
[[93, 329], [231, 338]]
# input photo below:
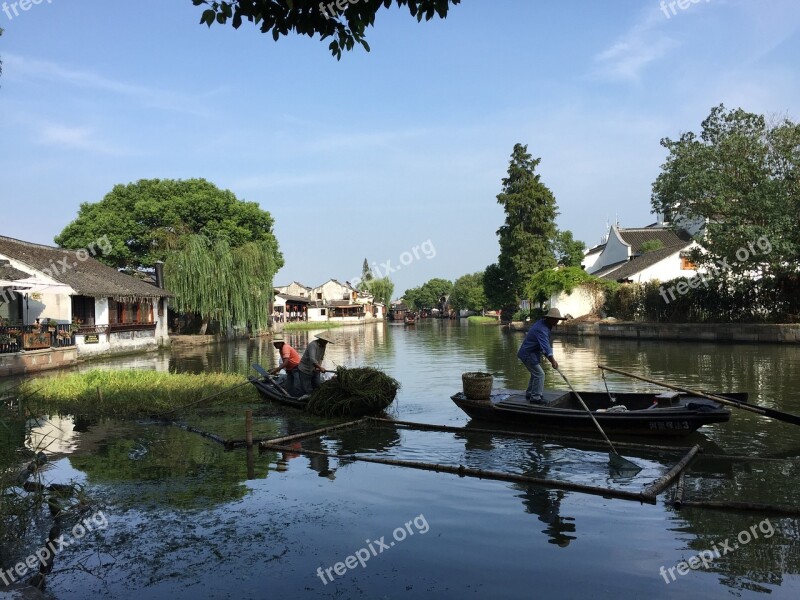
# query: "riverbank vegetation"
[[132, 393], [478, 320]]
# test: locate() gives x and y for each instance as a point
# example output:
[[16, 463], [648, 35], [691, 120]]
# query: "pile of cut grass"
[[132, 393], [353, 393]]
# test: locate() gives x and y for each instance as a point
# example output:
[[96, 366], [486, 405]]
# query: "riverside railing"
[[15, 338]]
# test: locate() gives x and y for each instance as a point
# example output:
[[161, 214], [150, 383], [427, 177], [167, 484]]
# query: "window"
[[687, 265], [319, 295], [83, 310]]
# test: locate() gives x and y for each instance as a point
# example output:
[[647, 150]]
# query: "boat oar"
[[759, 410], [616, 459]]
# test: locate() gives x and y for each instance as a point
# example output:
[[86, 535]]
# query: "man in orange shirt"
[[290, 359]]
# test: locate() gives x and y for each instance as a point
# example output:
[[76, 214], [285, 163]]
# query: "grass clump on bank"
[[353, 393], [132, 393], [306, 325], [478, 320]]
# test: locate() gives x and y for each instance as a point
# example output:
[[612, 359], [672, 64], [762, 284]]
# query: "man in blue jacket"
[[537, 344]]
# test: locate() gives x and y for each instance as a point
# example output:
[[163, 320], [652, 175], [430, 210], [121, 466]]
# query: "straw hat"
[[554, 313], [325, 337], [278, 338]]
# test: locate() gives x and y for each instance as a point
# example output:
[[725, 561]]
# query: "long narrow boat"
[[270, 389], [649, 414]]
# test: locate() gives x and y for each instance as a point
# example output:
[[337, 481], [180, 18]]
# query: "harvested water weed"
[[353, 393]]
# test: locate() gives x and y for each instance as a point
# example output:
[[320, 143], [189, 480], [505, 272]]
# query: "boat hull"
[[269, 392], [647, 414]]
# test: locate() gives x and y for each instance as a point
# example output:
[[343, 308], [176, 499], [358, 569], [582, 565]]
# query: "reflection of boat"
[[669, 414]]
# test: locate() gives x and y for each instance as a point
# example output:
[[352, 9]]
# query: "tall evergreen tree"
[[526, 237]]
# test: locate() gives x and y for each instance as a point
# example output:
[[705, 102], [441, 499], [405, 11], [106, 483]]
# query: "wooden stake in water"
[[248, 428]]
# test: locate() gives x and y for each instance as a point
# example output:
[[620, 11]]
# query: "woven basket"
[[477, 386]]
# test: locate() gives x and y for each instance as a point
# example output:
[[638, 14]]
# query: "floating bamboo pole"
[[663, 482], [307, 434], [744, 458], [463, 471], [206, 434], [527, 434]]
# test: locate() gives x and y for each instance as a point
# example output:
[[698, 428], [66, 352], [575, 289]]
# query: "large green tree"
[[147, 220], [429, 294], [568, 251], [741, 176], [468, 293], [344, 21], [528, 233]]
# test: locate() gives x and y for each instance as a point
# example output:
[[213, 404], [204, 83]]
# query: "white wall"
[[583, 300], [615, 251], [666, 269]]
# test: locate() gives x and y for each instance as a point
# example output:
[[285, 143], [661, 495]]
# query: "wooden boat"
[[649, 414], [410, 319], [270, 389]]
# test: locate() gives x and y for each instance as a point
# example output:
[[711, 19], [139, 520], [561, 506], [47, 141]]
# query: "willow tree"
[[381, 289], [231, 285]]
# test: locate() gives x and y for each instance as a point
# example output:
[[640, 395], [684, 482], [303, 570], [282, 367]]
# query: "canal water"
[[186, 519]]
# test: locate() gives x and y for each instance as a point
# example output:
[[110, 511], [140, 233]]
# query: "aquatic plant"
[[353, 393], [132, 393]]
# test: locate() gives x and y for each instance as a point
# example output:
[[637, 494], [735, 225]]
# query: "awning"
[[37, 286]]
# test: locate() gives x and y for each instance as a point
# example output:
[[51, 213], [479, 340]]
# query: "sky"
[[396, 155]]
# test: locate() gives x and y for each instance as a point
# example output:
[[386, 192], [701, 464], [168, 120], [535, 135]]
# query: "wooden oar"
[[759, 410], [616, 459]]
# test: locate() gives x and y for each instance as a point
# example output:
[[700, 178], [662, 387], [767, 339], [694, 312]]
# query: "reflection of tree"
[[746, 566], [167, 465]]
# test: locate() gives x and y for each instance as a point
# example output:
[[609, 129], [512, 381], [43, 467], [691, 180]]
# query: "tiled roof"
[[609, 268], [77, 269], [9, 273], [640, 263], [638, 236]]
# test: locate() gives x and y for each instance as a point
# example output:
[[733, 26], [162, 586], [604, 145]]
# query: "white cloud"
[[16, 66], [76, 138], [642, 45]]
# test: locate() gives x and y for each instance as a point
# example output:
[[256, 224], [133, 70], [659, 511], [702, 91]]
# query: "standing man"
[[311, 363], [537, 344], [290, 360]]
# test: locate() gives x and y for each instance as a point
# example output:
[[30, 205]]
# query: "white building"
[[69, 292]]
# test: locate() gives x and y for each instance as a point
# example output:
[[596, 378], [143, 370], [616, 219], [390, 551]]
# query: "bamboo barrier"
[[463, 471], [527, 434], [206, 434], [744, 458], [307, 434], [663, 482]]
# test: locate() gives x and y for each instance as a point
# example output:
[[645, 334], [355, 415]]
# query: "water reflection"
[[154, 468]]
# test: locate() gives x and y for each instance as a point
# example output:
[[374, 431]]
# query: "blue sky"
[[380, 152]]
